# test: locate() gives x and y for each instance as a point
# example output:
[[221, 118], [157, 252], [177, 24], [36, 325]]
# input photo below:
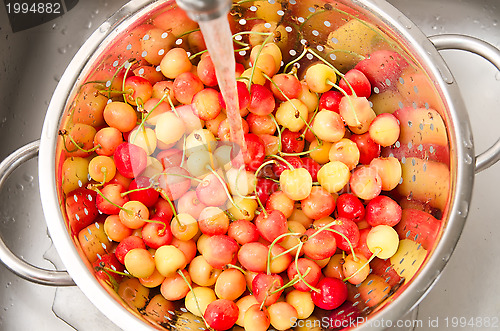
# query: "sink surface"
[[31, 63]]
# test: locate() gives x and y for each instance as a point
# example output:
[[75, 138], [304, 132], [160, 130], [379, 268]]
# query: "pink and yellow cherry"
[[138, 90], [365, 183], [149, 73], [169, 259], [134, 214], [265, 62], [156, 234], [383, 241], [211, 191], [319, 76], [333, 176], [206, 104], [345, 151], [261, 100], [296, 183], [302, 302], [224, 133], [221, 314], [260, 124], [285, 87], [332, 293], [291, 242], [368, 149], [90, 105], [357, 113], [145, 138], [202, 273], [319, 152], [130, 160], [330, 100], [253, 256], [175, 287], [120, 116], [187, 247], [139, 263], [356, 80], [271, 224], [280, 201], [106, 140], [328, 126], [175, 62], [111, 199], [214, 124], [184, 227], [127, 245], [102, 169], [115, 229], [320, 203], [263, 286], [186, 86], [206, 71], [350, 233], [162, 89], [280, 259], [383, 210], [174, 183], [282, 315], [356, 270], [292, 115], [389, 170], [244, 303], [242, 208], [311, 278], [310, 99], [256, 319], [334, 267], [230, 284], [213, 221], [243, 232], [384, 129], [221, 250], [320, 244]]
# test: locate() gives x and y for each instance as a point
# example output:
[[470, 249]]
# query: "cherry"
[[127, 245], [107, 140], [221, 314], [220, 251], [332, 293], [261, 100], [138, 89], [320, 246], [163, 210], [384, 269], [312, 277], [260, 125], [383, 210], [190, 204], [211, 191], [320, 203], [271, 224], [104, 267], [330, 100], [253, 256], [171, 157], [243, 232], [254, 155], [206, 104], [418, 226], [358, 81], [311, 166], [111, 199], [81, 209], [243, 98], [349, 206], [265, 187], [206, 71], [186, 85], [349, 229], [174, 182], [213, 221], [156, 234], [256, 318], [285, 87], [292, 142], [368, 149], [263, 285], [142, 191], [281, 166], [130, 159]]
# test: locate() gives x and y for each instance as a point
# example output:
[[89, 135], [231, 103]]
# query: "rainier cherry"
[[271, 224]]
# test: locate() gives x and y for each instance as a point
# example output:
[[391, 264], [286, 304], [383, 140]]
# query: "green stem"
[[272, 245], [194, 296]]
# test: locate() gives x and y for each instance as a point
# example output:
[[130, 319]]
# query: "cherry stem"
[[65, 134], [116, 74], [115, 271], [374, 255], [298, 271], [292, 282], [275, 241], [187, 32], [304, 52], [94, 188], [171, 103], [124, 78], [224, 186], [137, 190], [279, 132], [288, 250], [232, 266], [194, 296], [197, 54], [162, 231], [144, 119], [269, 35], [288, 164]]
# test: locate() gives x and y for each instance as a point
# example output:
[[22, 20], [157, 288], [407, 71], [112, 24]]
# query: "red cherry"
[[127, 245], [261, 100], [368, 149], [330, 100], [163, 210], [243, 97], [265, 187], [147, 196], [292, 142], [130, 159], [111, 192], [311, 166], [156, 234], [170, 158], [359, 83], [382, 210], [262, 286], [349, 229], [281, 166], [332, 293], [108, 261], [349, 206], [220, 251], [81, 209], [272, 225], [255, 154], [221, 314], [312, 278]]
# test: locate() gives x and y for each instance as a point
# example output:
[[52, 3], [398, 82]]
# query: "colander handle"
[[18, 266], [488, 52]]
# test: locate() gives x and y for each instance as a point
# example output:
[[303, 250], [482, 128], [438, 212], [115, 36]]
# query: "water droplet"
[[497, 76], [62, 50], [104, 27], [20, 187], [28, 178]]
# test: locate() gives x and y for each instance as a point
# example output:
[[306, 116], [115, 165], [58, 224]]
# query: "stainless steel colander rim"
[[421, 47]]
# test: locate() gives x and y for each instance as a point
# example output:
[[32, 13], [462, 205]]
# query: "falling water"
[[218, 38]]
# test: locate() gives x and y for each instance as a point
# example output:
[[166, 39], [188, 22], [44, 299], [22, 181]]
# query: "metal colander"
[[435, 147]]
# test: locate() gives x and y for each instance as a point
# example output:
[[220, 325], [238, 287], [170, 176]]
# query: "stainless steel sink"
[[31, 63]]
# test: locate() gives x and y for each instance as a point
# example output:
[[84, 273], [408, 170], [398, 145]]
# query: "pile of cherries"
[[167, 217]]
